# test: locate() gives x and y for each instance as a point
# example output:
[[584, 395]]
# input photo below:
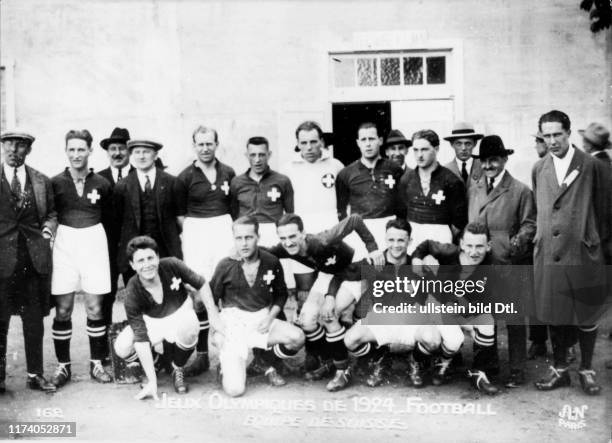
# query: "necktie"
[[16, 185], [147, 184], [464, 173], [489, 185], [119, 174]]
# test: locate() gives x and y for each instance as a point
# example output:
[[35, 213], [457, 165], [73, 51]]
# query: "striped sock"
[[315, 341], [96, 330], [281, 351], [202, 345], [62, 333], [484, 340], [339, 353], [361, 351]]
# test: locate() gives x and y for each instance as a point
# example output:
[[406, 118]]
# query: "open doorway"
[[346, 118]]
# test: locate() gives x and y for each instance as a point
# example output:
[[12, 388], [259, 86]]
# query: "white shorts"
[[80, 261], [377, 228], [321, 285], [422, 232], [403, 335], [241, 331], [206, 241], [182, 323]]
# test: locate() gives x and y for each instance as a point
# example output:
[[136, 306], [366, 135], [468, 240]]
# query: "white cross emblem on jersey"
[[93, 196], [225, 188], [390, 181], [269, 277], [331, 261], [439, 197], [328, 180], [273, 194], [176, 282]]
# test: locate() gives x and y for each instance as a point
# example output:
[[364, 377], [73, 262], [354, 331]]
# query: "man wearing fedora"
[[396, 148], [507, 208], [146, 204], [573, 245], [596, 140], [119, 167], [463, 140], [27, 223]]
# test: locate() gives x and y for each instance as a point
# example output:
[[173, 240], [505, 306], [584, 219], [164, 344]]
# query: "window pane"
[[390, 71], [413, 70], [344, 72], [3, 121], [436, 70], [366, 72]]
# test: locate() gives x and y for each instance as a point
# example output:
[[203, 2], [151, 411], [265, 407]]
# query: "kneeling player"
[[252, 289], [370, 342], [461, 263], [159, 310]]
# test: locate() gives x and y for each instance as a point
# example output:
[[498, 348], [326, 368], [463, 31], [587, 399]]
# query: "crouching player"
[[159, 310], [465, 262], [369, 342], [251, 287]]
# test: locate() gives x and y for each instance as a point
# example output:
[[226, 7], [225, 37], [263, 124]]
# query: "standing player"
[[369, 186], [360, 338], [260, 191], [316, 170], [396, 148], [27, 223], [119, 159], [80, 255], [252, 289], [159, 310], [435, 199]]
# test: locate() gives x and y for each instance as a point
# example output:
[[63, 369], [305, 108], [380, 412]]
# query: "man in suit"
[[145, 204], [27, 223], [506, 207], [119, 160], [396, 148], [463, 140], [573, 244]]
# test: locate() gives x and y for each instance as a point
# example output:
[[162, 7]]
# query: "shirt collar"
[[151, 173], [468, 163], [9, 171], [376, 163], [568, 156], [497, 180], [198, 164]]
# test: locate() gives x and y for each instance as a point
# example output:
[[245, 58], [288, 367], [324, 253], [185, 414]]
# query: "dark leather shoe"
[[39, 383], [199, 365], [274, 378], [377, 375], [536, 350], [161, 363], [62, 375], [340, 381], [324, 370], [440, 375], [178, 379], [482, 383], [98, 373], [557, 378], [415, 373], [588, 383], [516, 378]]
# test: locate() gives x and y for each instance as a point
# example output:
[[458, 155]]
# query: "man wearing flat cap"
[[119, 167], [146, 204], [463, 140], [507, 208], [595, 141], [27, 223], [396, 148]]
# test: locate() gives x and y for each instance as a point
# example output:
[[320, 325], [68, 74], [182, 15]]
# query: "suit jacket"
[[573, 239], [475, 174], [510, 214], [108, 174], [38, 247], [127, 206]]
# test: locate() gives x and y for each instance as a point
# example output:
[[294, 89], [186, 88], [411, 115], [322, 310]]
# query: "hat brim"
[[507, 152], [406, 143], [474, 136], [107, 141]]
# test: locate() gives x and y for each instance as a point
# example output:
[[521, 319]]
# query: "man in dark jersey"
[[252, 289], [327, 254], [204, 211], [80, 255], [160, 313]]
